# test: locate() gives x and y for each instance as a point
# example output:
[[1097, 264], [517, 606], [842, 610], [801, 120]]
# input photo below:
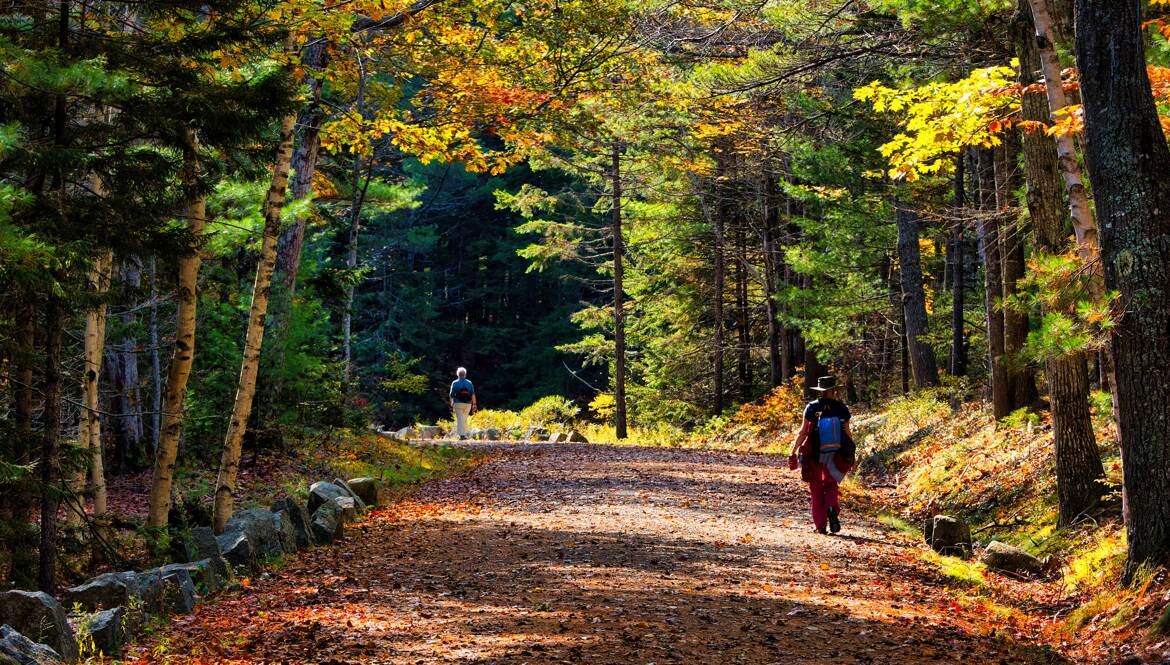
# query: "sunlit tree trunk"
[[1078, 462], [175, 394], [274, 201], [91, 423], [1128, 158]]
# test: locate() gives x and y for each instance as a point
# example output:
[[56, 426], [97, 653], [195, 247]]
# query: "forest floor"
[[601, 554]]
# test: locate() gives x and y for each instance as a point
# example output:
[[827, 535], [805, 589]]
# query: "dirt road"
[[597, 554]]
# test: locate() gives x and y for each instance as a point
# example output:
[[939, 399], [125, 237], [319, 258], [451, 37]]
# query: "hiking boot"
[[834, 522], [821, 530]]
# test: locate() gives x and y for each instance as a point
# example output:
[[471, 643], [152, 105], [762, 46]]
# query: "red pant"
[[823, 489]]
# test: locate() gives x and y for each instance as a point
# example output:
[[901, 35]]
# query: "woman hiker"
[[826, 453], [462, 396]]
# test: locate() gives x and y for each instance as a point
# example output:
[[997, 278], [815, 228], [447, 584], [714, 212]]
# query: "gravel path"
[[598, 554]]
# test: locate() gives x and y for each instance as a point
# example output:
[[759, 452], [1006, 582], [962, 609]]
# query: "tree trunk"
[[175, 395], [1126, 148], [304, 165], [351, 261], [619, 314], [122, 375], [91, 424], [958, 360], [721, 205], [988, 231], [923, 366], [274, 201], [23, 495], [50, 462], [1080, 211], [1012, 238], [1078, 462], [772, 270], [743, 364], [1052, 21]]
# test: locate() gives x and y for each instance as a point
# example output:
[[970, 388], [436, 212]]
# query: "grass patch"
[[961, 572], [898, 524]]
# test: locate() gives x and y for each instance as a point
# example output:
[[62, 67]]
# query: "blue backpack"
[[831, 433]]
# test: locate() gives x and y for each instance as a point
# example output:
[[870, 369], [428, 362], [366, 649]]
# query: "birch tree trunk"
[[1078, 461], [91, 423], [274, 201], [1083, 223], [175, 394]]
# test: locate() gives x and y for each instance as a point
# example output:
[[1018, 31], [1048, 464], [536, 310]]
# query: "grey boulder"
[[110, 590], [948, 535], [39, 617], [1006, 558], [105, 631], [285, 533], [178, 591], [366, 489], [577, 437], [202, 544], [327, 523], [298, 515], [17, 649], [322, 492], [248, 537], [203, 575], [358, 503], [428, 432], [535, 433]]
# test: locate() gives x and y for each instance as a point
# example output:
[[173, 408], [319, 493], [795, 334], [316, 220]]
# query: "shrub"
[[551, 410]]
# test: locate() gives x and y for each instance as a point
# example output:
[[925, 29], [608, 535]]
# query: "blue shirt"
[[460, 384]]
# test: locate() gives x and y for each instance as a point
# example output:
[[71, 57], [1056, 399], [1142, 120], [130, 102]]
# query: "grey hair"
[[461, 372]]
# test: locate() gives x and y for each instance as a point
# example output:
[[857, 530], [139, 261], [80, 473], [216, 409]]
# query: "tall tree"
[[1124, 136], [179, 370], [1079, 471], [923, 366], [274, 200]]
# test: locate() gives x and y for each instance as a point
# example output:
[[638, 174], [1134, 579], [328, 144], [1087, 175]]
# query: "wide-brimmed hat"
[[825, 383]]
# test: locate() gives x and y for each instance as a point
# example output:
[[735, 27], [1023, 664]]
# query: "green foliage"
[[551, 410]]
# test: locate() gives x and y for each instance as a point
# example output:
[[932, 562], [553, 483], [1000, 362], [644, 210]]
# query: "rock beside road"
[[1006, 558]]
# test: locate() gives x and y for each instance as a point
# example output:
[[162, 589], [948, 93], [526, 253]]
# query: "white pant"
[[462, 410]]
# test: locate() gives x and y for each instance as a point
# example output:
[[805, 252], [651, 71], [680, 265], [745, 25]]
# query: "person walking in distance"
[[462, 397], [825, 452]]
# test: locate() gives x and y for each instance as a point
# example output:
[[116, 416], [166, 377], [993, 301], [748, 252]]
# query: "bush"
[[550, 410]]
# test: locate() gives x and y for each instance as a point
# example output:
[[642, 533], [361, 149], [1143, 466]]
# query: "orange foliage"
[[780, 410]]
